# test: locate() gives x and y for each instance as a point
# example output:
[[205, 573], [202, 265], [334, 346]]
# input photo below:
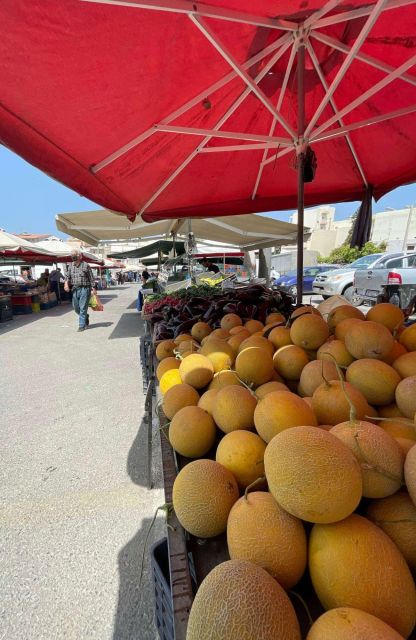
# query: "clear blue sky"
[[30, 199]]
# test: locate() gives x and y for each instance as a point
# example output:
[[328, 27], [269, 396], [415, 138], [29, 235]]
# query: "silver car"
[[341, 281]]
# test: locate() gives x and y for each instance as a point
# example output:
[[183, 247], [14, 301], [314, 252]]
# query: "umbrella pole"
[[300, 164]]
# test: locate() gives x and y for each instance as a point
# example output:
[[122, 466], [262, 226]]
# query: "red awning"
[[166, 107]]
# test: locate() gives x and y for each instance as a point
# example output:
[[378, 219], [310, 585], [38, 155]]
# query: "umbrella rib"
[[222, 50], [335, 108], [317, 15], [280, 42], [362, 57], [214, 133], [219, 124], [278, 155], [346, 64], [278, 107], [367, 94], [359, 13]]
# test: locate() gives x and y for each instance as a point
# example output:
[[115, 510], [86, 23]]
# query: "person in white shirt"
[[274, 274]]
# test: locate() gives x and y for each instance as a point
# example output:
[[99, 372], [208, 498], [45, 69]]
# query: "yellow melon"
[[231, 320], [410, 473], [309, 331], [239, 600], [274, 318], [341, 313], [354, 563], [192, 432], [182, 337], [344, 326], [200, 330], [234, 408], [395, 353], [224, 378], [379, 455], [280, 337], [311, 376], [332, 407], [347, 623], [396, 515], [254, 366], [404, 434], [235, 341], [165, 349], [369, 340], [408, 338], [390, 411], [203, 494], [406, 396], [281, 410], [221, 333], [219, 352], [166, 365], [289, 361], [405, 364], [179, 396], [257, 341], [239, 329], [280, 546], [242, 453], [196, 370], [376, 380], [207, 400], [312, 474], [387, 314], [305, 309], [335, 349], [169, 379], [254, 325], [268, 387]]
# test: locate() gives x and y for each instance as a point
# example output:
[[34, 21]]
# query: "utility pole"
[[406, 233]]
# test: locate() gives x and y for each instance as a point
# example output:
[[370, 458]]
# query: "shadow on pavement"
[[129, 326], [97, 325]]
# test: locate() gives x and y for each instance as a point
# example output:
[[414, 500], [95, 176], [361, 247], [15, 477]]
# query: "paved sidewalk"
[[74, 507]]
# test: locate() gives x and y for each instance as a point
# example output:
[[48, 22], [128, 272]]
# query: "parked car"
[[8, 279], [341, 281], [288, 282], [394, 282]]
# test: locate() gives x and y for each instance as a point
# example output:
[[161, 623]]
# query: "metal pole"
[[300, 163], [406, 233]]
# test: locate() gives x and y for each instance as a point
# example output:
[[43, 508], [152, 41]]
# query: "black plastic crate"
[[6, 314], [159, 560]]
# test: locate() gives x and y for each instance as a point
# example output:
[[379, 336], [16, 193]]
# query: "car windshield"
[[289, 274], [364, 262]]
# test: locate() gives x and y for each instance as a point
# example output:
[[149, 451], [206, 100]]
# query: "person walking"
[[82, 281], [55, 277]]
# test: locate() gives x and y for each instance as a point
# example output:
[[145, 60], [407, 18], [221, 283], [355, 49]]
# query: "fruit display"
[[297, 440]]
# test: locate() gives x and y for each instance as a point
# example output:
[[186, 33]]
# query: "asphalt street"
[[75, 510]]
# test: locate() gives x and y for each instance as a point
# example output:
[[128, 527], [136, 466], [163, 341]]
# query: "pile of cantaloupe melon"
[[319, 414]]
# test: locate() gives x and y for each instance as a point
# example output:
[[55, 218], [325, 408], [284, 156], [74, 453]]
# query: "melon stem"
[[253, 484], [353, 413], [305, 606], [167, 508], [369, 466], [405, 421], [246, 385]]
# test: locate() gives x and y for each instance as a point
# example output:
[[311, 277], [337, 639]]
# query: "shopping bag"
[[95, 303]]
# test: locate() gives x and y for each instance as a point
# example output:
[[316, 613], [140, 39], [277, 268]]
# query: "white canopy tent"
[[247, 232], [63, 250]]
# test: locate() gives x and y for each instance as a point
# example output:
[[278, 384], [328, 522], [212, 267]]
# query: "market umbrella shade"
[[13, 247], [173, 109]]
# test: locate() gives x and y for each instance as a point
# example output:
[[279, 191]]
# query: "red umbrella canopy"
[[170, 108]]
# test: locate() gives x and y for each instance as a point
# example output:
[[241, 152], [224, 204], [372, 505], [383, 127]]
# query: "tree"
[[346, 254]]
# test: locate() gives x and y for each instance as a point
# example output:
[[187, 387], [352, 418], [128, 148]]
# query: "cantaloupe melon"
[[273, 318], [335, 349], [253, 326], [309, 331], [254, 366], [344, 326], [206, 401], [387, 314], [192, 432], [169, 379], [406, 396], [239, 329], [165, 349], [200, 330], [410, 473], [257, 341], [224, 379], [404, 434], [281, 410], [341, 313], [187, 346], [405, 364], [305, 310], [221, 333], [289, 361], [242, 453], [268, 387], [379, 455], [235, 341], [408, 338], [280, 337], [280, 540], [347, 623], [354, 563], [311, 376], [376, 380], [182, 337], [396, 515], [332, 407], [234, 408], [196, 370], [390, 411], [231, 320], [312, 474], [166, 365], [239, 600], [203, 494], [219, 352], [181, 395], [395, 353], [369, 340]]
